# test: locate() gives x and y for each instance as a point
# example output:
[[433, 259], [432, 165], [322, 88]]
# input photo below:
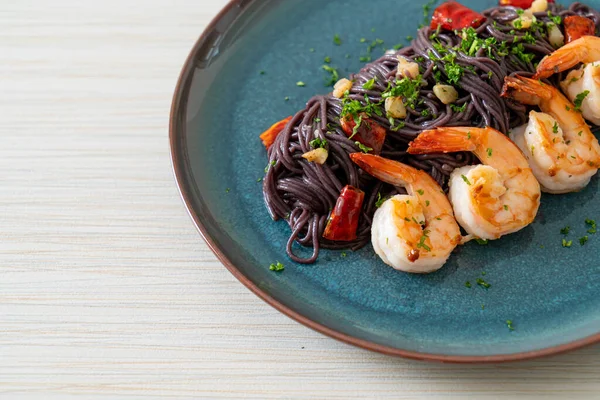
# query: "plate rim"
[[178, 162]]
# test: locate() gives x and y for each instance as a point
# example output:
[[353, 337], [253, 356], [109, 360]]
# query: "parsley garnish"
[[583, 240], [337, 40], [318, 143], [333, 77], [483, 283], [363, 148], [468, 284], [421, 192], [407, 88], [343, 254], [592, 224], [380, 200], [368, 85], [529, 38], [327, 59], [509, 324], [300, 84], [489, 152], [453, 70], [579, 100], [555, 127], [565, 230], [505, 207], [277, 267], [458, 109], [519, 51], [482, 242], [262, 72], [566, 243], [555, 18], [427, 203], [422, 244], [464, 178]]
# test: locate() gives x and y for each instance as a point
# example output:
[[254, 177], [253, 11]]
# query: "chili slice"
[[452, 16], [577, 27], [343, 221], [369, 133], [268, 137]]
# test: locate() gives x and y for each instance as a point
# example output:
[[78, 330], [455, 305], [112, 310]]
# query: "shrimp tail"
[[525, 90], [443, 140], [389, 171], [562, 59]]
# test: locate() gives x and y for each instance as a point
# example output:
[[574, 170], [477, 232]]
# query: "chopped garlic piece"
[[555, 36], [341, 87], [318, 156], [538, 6], [394, 107], [524, 21], [407, 68], [446, 93]]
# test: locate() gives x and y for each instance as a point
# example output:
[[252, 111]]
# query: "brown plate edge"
[[178, 165]]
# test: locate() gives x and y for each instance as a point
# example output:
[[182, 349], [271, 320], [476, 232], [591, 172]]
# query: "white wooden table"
[[106, 289]]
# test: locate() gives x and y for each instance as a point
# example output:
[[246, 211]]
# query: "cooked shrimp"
[[561, 149], [582, 50], [491, 200], [416, 232], [583, 82]]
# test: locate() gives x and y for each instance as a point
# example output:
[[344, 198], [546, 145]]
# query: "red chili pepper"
[[268, 137], [343, 221], [369, 133], [453, 16], [577, 27], [524, 4]]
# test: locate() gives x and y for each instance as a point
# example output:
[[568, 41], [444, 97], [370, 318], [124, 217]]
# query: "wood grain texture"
[[106, 289]]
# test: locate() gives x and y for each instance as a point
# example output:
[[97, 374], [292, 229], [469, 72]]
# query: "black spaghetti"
[[474, 61]]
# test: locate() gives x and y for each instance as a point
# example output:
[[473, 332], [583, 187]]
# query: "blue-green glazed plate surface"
[[221, 105]]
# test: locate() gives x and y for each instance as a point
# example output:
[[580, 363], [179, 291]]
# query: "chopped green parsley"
[[368, 85], [362, 147], [509, 325], [464, 178], [337, 40], [583, 240], [555, 18], [421, 192], [579, 100], [458, 109], [380, 200], [300, 84], [422, 244], [483, 283], [482, 242], [277, 267], [318, 143], [333, 77], [468, 284], [565, 230], [566, 243], [592, 224], [555, 128]]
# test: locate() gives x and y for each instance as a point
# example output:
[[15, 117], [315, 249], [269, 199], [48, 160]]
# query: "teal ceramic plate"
[[222, 103]]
